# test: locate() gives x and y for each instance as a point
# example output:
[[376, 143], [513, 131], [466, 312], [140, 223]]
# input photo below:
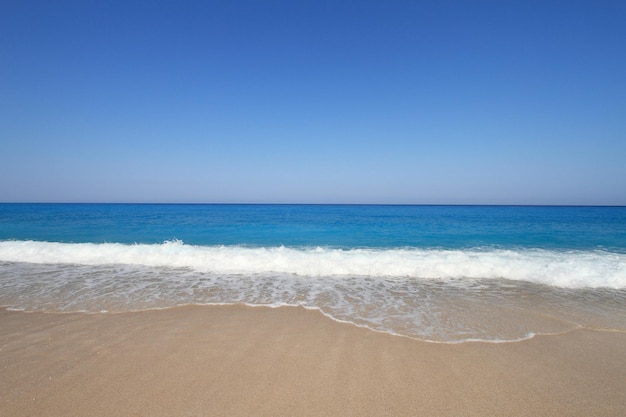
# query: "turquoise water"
[[440, 273], [343, 226]]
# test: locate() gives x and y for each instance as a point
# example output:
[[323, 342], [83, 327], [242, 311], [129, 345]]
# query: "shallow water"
[[437, 309]]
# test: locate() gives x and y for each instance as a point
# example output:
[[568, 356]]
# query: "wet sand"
[[242, 361]]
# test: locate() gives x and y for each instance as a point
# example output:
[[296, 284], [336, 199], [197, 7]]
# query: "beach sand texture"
[[245, 361]]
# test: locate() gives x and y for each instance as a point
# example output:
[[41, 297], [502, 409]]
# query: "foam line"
[[566, 269]]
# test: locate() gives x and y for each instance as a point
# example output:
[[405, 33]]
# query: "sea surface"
[[439, 273]]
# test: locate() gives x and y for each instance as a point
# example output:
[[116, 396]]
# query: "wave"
[[565, 269]]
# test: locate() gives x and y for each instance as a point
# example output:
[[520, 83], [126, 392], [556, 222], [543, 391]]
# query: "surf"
[[558, 268]]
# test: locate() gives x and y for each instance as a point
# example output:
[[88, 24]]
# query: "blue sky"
[[447, 102]]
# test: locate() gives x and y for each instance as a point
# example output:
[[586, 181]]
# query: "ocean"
[[447, 274]]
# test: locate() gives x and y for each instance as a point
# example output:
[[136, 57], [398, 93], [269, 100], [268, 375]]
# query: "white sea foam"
[[449, 296], [564, 269]]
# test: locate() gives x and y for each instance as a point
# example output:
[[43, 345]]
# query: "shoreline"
[[238, 360], [321, 312]]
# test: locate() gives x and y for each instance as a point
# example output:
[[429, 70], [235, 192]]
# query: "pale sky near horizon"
[[410, 102]]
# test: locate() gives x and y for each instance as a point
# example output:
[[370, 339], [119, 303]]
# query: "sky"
[[312, 101]]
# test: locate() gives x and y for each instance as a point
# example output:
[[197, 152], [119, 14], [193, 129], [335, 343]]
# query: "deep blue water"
[[339, 226]]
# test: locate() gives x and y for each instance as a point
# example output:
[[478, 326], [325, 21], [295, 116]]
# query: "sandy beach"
[[243, 361]]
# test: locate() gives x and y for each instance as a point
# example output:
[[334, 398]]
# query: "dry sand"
[[241, 361]]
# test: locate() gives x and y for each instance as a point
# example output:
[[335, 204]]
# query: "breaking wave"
[[563, 269]]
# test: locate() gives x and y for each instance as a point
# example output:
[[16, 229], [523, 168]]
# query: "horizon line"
[[309, 204]]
